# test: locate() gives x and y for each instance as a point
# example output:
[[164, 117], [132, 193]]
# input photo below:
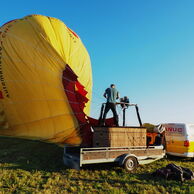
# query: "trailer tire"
[[130, 164]]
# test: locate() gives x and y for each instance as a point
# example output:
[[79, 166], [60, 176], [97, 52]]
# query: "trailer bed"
[[77, 157], [108, 154]]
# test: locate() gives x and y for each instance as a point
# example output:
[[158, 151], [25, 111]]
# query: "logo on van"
[[175, 130]]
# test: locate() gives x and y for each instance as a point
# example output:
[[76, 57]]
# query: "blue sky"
[[145, 47]]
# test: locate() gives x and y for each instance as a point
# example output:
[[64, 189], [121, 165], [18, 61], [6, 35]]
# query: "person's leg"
[[113, 108], [107, 108]]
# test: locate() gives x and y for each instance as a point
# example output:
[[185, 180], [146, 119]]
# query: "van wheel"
[[130, 164]]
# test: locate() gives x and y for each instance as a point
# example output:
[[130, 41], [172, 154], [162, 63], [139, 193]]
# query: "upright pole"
[[138, 116], [124, 109]]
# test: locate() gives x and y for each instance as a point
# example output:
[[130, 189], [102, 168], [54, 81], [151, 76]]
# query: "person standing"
[[111, 94]]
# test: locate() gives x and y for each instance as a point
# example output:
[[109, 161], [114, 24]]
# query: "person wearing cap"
[[111, 94]]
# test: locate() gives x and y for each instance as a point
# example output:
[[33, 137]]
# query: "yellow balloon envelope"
[[44, 72]]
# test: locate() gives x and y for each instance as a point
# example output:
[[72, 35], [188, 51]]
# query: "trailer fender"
[[123, 158]]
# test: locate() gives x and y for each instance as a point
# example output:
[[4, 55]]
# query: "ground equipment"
[[126, 146]]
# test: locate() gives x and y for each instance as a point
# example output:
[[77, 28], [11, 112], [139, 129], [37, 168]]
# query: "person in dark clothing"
[[111, 94]]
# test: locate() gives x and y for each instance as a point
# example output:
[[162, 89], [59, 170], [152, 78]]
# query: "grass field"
[[36, 167]]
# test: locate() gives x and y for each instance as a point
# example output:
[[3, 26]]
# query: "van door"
[[175, 138], [190, 134]]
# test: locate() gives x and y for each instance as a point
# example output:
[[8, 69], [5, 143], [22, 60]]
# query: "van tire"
[[130, 164]]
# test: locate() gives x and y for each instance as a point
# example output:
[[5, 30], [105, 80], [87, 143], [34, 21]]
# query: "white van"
[[179, 139]]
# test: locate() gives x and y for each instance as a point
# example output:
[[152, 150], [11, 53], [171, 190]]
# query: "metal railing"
[[124, 107]]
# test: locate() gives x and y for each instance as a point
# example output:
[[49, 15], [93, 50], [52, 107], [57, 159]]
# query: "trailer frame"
[[120, 155]]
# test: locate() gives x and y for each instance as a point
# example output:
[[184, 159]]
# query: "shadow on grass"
[[30, 155], [138, 177], [143, 179], [179, 159], [101, 166]]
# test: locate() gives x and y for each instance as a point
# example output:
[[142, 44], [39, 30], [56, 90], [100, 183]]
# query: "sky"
[[144, 47]]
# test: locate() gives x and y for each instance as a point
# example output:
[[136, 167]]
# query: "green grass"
[[36, 167]]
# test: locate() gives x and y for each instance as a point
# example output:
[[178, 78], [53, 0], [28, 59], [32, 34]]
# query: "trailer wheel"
[[130, 164]]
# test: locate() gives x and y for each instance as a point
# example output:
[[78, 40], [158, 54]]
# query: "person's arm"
[[105, 93], [118, 95]]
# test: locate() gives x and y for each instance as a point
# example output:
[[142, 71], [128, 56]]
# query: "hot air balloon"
[[45, 81]]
